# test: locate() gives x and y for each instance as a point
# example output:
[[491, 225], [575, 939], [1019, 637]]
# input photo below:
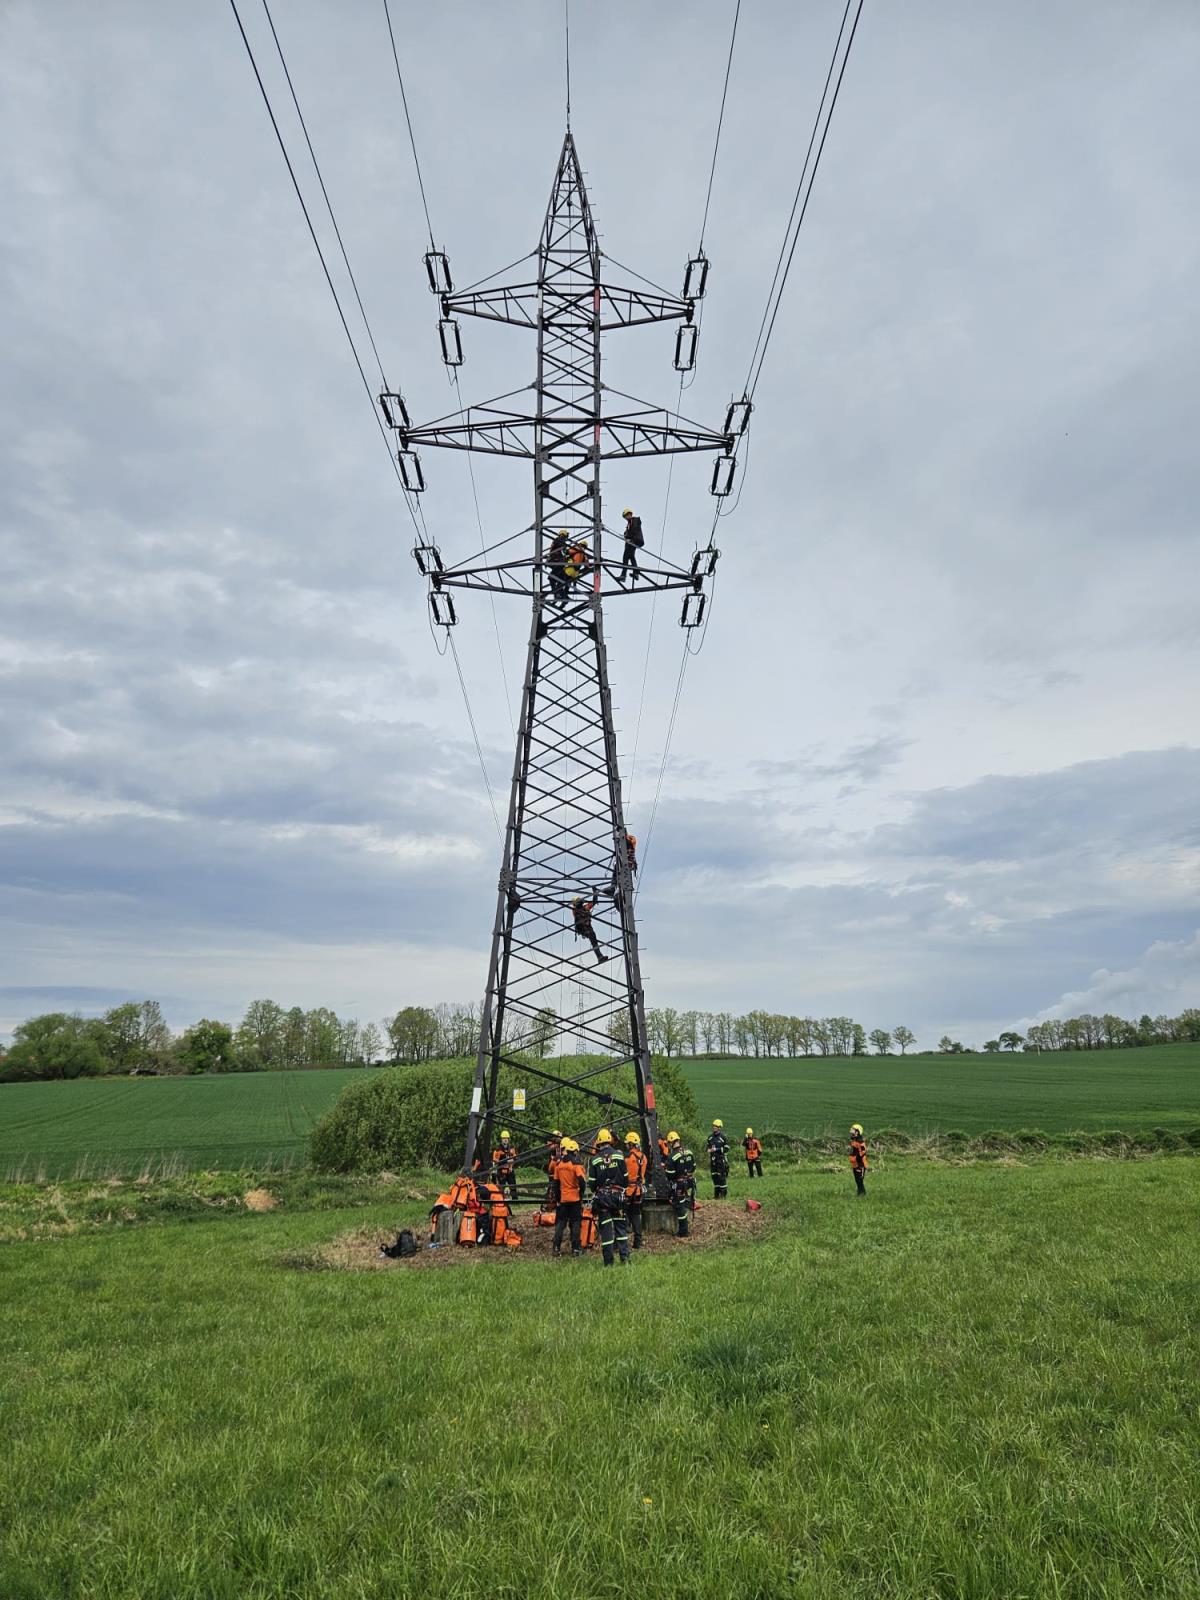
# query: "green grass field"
[[261, 1119], [978, 1382], [254, 1119], [1130, 1089]]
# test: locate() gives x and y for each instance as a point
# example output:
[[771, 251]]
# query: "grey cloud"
[[971, 487]]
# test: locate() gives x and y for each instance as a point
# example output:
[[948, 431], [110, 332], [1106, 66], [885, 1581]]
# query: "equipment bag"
[[405, 1245], [587, 1231], [468, 1228], [513, 1239], [500, 1230], [544, 1219]]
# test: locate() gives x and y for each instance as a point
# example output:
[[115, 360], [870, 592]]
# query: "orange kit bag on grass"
[[587, 1230], [468, 1228], [512, 1239], [543, 1219]]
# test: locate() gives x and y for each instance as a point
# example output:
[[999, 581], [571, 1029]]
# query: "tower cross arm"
[[655, 432], [519, 304], [633, 433]]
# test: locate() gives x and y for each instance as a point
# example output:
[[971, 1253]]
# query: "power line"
[[418, 525], [452, 374], [666, 755], [679, 401], [662, 537], [763, 340], [325, 193], [324, 264], [720, 122], [404, 100], [462, 683]]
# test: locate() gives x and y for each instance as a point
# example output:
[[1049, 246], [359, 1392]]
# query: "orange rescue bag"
[[468, 1228]]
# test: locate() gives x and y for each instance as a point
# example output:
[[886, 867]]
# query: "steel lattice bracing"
[[565, 832]]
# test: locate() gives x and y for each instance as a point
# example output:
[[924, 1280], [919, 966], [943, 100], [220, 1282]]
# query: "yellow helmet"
[[673, 1137], [568, 1144], [856, 1127], [564, 533], [717, 1123], [604, 1136], [627, 512], [504, 1133], [749, 1132], [633, 1138]]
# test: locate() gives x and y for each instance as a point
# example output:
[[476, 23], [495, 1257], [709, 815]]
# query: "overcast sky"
[[937, 763]]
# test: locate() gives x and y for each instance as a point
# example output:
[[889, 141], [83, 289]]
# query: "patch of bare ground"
[[358, 1251], [259, 1200]]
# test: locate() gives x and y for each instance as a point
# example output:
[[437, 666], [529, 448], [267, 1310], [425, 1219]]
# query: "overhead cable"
[[782, 267], [720, 123], [408, 120], [487, 783], [324, 264], [325, 194], [452, 373]]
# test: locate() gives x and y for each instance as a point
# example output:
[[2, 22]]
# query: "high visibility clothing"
[[752, 1148], [858, 1154], [608, 1171], [635, 1171], [681, 1167], [504, 1158], [570, 1179]]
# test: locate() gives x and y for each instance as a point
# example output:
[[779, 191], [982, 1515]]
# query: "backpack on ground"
[[405, 1245]]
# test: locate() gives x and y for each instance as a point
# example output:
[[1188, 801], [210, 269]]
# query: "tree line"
[[1108, 1032], [135, 1038]]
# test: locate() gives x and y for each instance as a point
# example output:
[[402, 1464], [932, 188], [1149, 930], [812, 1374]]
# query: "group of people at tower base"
[[568, 558], [616, 1184], [602, 1201]]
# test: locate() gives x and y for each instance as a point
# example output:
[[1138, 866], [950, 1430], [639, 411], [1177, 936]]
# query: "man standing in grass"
[[718, 1159], [681, 1165], [858, 1157], [568, 1176], [753, 1154], [635, 1170], [609, 1177]]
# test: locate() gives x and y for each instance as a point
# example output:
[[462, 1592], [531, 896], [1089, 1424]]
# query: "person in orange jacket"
[[568, 1213], [554, 1144], [504, 1164], [858, 1157], [753, 1154], [636, 1166]]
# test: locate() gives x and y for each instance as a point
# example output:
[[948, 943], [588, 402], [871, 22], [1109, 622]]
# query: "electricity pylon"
[[565, 834]]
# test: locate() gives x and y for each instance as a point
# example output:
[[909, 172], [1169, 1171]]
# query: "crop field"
[[1088, 1090], [258, 1119], [978, 1381], [262, 1119]]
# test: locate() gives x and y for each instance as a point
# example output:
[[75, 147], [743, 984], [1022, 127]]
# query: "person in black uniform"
[[718, 1159], [634, 540], [681, 1168], [607, 1178]]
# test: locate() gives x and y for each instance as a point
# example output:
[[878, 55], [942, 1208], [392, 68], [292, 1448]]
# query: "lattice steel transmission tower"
[[565, 833]]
